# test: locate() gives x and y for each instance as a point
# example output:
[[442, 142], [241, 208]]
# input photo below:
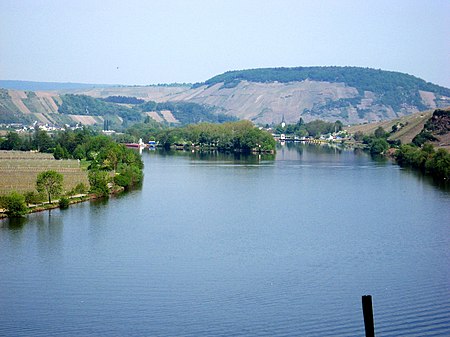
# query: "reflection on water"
[[231, 157], [232, 244], [13, 223]]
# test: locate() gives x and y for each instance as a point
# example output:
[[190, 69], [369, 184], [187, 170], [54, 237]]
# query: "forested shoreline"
[[241, 136]]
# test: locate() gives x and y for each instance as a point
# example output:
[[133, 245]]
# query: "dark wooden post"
[[368, 315]]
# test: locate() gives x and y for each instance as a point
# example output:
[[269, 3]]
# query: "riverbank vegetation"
[[420, 153], [377, 143], [313, 129], [241, 136], [82, 156], [426, 159]]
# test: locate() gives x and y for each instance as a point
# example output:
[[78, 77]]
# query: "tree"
[[60, 152], [358, 136], [378, 146], [49, 182], [99, 182], [79, 152], [380, 133], [128, 176], [42, 141], [12, 142], [14, 204]]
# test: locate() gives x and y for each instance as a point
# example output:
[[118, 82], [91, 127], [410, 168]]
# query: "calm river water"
[[216, 245]]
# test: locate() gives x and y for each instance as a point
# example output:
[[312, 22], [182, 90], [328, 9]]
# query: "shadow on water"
[[359, 152], [50, 232], [380, 160], [231, 157], [99, 202], [13, 223], [442, 185]]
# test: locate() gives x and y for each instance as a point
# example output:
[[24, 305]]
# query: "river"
[[224, 245]]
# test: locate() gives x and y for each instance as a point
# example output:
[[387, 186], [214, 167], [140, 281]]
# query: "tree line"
[[241, 136], [86, 105], [425, 159], [313, 129]]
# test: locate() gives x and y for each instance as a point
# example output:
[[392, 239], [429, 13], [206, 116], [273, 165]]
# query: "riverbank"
[[33, 208], [75, 199]]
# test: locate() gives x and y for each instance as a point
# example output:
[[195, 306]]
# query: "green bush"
[[380, 133], [14, 205], [378, 146], [439, 164], [32, 197], [64, 203], [80, 189], [423, 137]]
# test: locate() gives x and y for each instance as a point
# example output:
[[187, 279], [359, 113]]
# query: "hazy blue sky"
[[161, 41]]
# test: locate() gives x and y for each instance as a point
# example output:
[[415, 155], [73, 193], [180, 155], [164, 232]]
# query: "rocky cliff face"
[[439, 123], [439, 126]]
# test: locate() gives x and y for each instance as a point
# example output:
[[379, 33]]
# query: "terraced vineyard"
[[18, 171]]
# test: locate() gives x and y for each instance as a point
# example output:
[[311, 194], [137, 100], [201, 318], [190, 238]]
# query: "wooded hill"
[[393, 88], [352, 95], [120, 111]]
